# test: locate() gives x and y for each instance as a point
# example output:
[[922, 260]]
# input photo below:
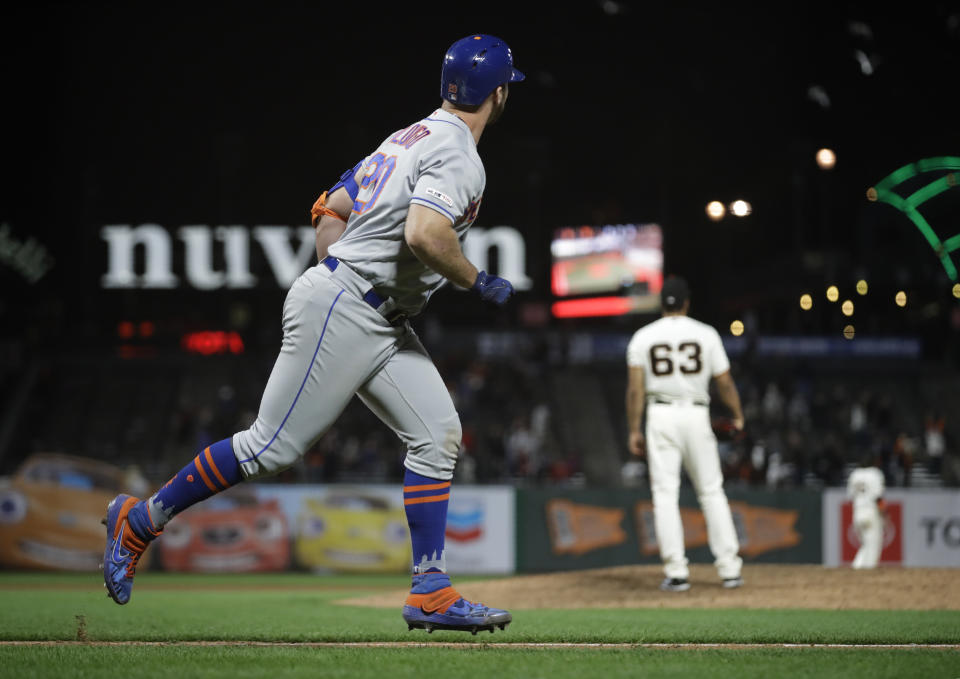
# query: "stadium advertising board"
[[204, 257], [481, 527], [363, 528], [594, 528], [921, 528]]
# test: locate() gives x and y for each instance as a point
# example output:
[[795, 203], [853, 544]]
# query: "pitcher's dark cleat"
[[675, 585]]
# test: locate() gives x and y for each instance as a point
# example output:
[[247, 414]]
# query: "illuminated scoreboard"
[[606, 270]]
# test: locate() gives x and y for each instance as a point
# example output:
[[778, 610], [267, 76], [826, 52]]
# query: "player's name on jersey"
[[215, 257]]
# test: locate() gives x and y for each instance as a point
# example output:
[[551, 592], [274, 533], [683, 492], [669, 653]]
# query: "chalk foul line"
[[475, 645]]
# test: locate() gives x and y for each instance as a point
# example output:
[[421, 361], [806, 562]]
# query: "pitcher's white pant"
[[681, 434], [336, 345], [868, 524]]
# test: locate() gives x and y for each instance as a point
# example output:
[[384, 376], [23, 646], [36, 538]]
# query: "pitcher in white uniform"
[[865, 487], [671, 362], [389, 235]]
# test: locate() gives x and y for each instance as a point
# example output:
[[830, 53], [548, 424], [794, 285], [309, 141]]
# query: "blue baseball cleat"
[[434, 604], [124, 549]]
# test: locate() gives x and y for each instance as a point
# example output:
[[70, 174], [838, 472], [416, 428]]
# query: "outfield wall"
[[490, 529], [497, 529]]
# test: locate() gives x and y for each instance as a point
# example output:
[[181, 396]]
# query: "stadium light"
[[740, 208], [826, 159], [901, 299], [862, 287], [715, 210], [806, 302], [956, 290], [849, 332], [736, 328], [833, 294], [847, 308]]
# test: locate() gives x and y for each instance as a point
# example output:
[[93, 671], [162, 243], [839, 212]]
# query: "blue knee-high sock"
[[212, 470], [425, 501]]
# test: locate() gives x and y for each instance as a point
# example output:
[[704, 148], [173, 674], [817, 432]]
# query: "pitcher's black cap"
[[674, 293]]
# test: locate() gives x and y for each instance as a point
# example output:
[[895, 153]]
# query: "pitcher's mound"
[[766, 586]]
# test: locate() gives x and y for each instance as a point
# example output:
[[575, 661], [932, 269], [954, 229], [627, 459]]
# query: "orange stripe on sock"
[[432, 486], [429, 498], [213, 468], [203, 475]]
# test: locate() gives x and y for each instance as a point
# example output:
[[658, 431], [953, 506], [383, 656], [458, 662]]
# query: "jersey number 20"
[[379, 169], [690, 359]]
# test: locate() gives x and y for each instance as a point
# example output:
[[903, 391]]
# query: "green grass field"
[[174, 612]]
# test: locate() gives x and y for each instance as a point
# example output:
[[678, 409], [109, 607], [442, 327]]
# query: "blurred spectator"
[[777, 471], [904, 452], [540, 422], [806, 424], [934, 442], [829, 465], [798, 410], [520, 446], [466, 469], [858, 416], [758, 461], [773, 403]]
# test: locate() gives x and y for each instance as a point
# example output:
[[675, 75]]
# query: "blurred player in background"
[[670, 363], [865, 487], [388, 236]]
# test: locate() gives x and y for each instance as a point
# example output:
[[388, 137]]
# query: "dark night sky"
[[234, 114]]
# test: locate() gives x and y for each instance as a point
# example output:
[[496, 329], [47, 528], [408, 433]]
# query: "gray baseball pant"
[[336, 345]]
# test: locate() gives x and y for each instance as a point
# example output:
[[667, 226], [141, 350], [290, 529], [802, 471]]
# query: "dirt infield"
[[767, 586]]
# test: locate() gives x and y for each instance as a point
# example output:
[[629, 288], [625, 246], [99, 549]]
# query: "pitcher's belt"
[[677, 402]]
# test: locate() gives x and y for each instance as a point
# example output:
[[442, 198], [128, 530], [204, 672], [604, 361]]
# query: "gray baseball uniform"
[[344, 325]]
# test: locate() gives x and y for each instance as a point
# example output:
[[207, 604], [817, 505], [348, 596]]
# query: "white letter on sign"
[[121, 241], [511, 253], [286, 264]]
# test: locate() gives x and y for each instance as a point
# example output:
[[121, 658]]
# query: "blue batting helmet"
[[474, 67]]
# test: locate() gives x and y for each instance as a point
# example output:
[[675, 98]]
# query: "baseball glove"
[[724, 429]]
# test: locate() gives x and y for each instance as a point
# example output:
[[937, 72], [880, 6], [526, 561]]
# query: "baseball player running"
[[670, 364], [865, 487], [389, 235]]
